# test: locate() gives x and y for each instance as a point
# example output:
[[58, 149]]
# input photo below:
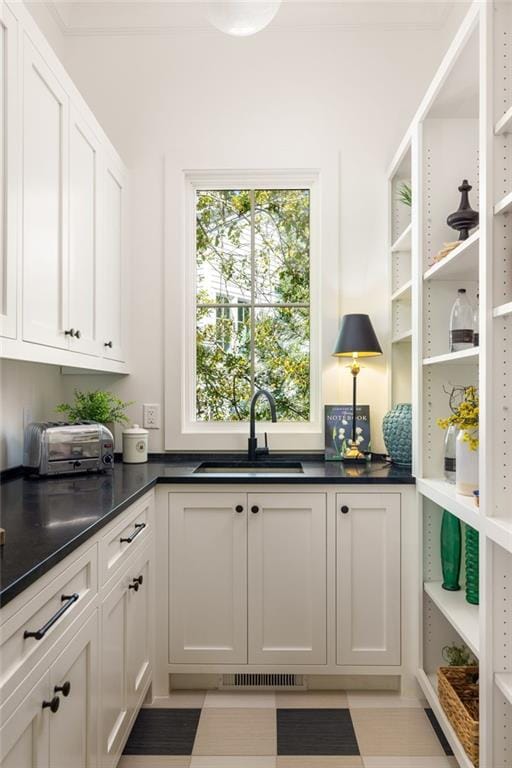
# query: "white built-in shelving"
[[461, 615], [443, 493], [504, 205], [504, 124], [464, 357], [403, 241], [460, 264], [462, 130]]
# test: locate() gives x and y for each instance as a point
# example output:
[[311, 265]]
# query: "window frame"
[[268, 179]]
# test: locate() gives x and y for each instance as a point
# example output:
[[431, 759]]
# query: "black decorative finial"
[[465, 218]]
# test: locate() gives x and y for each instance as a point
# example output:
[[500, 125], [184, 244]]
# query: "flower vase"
[[451, 550], [466, 466], [397, 431]]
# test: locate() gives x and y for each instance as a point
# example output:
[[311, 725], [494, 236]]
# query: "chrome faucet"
[[253, 450]]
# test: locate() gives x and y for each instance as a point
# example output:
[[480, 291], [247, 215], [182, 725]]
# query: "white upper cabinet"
[[63, 201], [9, 156], [45, 200], [84, 183], [287, 578], [111, 277], [368, 578]]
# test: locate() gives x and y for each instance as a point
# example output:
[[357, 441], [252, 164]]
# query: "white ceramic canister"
[[135, 445]]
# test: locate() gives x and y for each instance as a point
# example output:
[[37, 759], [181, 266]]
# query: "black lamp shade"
[[357, 336]]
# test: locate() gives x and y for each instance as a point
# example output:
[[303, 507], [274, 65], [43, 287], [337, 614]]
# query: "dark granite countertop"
[[46, 519]]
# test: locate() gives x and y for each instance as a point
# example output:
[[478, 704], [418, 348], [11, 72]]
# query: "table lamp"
[[356, 339]]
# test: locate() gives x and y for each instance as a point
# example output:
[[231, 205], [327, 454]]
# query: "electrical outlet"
[[151, 416]]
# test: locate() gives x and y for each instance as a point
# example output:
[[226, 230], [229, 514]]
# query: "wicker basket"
[[458, 694]]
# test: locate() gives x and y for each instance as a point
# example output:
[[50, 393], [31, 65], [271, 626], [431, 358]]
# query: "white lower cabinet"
[[287, 578], [125, 654], [368, 578], [208, 578], [54, 726], [255, 561]]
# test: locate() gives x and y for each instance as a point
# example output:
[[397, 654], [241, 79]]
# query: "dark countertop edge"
[[18, 586]]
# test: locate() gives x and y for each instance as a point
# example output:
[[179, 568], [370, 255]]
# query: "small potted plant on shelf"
[[98, 405], [465, 417], [405, 194]]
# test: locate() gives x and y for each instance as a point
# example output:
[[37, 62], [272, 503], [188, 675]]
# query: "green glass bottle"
[[451, 550], [472, 562]]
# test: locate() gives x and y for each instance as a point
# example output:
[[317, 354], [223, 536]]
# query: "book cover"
[[338, 430]]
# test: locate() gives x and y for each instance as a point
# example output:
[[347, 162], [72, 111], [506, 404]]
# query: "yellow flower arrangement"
[[465, 417]]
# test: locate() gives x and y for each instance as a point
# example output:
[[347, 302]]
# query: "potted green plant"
[[404, 195], [98, 405]]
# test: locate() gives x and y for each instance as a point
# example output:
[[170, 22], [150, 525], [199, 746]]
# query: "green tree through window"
[[252, 301]]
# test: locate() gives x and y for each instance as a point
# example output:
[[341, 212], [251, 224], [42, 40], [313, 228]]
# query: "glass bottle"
[[450, 447], [476, 322], [461, 323]]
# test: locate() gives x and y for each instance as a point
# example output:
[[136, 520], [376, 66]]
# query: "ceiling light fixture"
[[242, 17]]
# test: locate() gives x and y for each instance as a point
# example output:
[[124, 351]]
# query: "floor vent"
[[258, 680]]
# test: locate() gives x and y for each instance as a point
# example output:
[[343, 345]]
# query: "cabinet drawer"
[[131, 529], [32, 631]]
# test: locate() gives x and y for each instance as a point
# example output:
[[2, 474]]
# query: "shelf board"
[[428, 685], [403, 293], [460, 264], [504, 205], [462, 615], [403, 338], [503, 681], [499, 529], [403, 243], [464, 357], [503, 310], [443, 493], [504, 124]]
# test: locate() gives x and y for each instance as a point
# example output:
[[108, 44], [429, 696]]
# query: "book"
[[338, 430]]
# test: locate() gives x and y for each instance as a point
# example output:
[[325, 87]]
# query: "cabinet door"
[[45, 195], [114, 715], [140, 623], [83, 235], [208, 578], [287, 578], [24, 737], [110, 286], [368, 578], [73, 727], [9, 169]]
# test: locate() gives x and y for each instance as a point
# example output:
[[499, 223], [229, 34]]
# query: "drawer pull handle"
[[138, 529], [40, 633], [65, 688], [52, 705]]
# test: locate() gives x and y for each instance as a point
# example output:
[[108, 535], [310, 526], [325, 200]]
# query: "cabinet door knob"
[[78, 334], [134, 586], [69, 332], [138, 579], [344, 509], [108, 344], [52, 705], [239, 508], [65, 688], [255, 509]]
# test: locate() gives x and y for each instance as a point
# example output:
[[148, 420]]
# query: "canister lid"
[[135, 431]]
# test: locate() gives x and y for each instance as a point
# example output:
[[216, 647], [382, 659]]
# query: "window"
[[252, 302]]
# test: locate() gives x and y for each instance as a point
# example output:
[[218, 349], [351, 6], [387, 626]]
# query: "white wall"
[[344, 96], [31, 386]]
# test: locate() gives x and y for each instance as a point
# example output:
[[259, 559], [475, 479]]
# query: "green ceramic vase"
[[472, 562], [451, 549]]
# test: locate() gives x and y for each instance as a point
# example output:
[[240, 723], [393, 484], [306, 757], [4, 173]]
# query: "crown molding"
[[135, 28]]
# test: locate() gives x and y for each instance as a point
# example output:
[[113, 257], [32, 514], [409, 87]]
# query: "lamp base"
[[353, 454]]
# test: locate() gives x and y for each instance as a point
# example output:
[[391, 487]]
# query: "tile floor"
[[324, 729]]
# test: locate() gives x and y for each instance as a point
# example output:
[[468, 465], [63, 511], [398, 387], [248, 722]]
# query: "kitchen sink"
[[250, 468]]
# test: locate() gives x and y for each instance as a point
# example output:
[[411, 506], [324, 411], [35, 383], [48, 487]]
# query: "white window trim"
[[260, 179]]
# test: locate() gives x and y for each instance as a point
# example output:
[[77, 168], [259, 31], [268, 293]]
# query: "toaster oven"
[[56, 448]]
